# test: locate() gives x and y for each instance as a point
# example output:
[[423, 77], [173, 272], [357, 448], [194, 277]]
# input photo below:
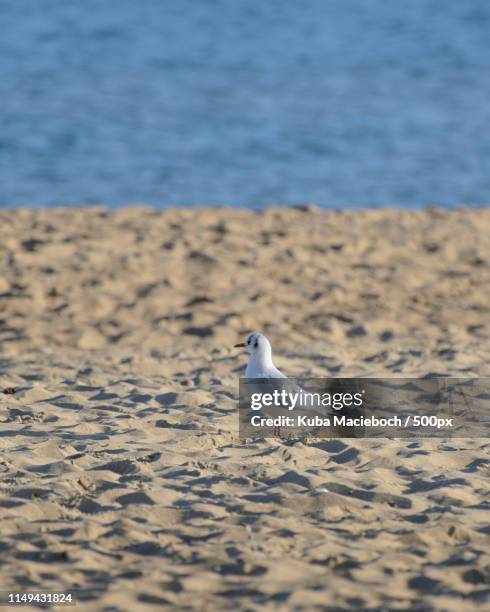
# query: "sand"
[[121, 472]]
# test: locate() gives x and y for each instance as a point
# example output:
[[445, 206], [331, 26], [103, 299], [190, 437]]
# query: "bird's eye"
[[248, 340], [256, 344]]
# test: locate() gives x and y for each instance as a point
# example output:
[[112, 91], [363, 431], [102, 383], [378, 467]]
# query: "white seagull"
[[260, 364]]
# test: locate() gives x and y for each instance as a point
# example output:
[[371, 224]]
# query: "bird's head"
[[255, 343]]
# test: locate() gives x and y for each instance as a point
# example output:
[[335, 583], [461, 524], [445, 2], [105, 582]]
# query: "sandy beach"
[[122, 476]]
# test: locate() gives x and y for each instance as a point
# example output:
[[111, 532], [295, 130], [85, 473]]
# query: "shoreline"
[[300, 207]]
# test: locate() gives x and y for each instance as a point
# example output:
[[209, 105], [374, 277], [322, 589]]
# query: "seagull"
[[260, 364]]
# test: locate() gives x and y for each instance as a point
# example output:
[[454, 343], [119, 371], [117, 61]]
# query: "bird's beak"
[[240, 345]]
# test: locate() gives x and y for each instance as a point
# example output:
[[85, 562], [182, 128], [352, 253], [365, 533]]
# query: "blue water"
[[346, 103]]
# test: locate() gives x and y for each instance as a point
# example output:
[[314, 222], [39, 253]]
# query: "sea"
[[245, 103]]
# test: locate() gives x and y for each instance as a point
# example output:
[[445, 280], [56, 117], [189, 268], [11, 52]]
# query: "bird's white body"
[[260, 364]]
